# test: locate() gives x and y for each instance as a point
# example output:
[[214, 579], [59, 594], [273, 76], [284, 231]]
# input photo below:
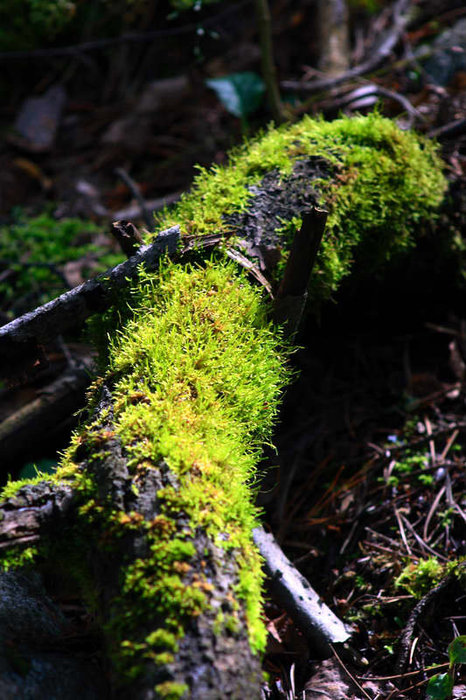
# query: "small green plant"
[[240, 93], [418, 579], [440, 686], [446, 516]]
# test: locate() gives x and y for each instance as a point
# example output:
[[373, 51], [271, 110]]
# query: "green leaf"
[[457, 650], [240, 93], [439, 687]]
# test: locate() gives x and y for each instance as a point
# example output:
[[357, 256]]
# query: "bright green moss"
[[11, 488], [419, 578], [162, 639], [17, 558], [196, 373], [201, 372], [385, 182]]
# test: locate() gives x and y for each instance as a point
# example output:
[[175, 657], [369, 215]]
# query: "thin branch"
[[449, 130], [350, 676], [19, 339], [253, 270], [136, 192], [297, 596], [127, 38], [401, 19]]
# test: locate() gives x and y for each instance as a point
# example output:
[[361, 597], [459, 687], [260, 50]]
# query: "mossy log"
[[149, 517]]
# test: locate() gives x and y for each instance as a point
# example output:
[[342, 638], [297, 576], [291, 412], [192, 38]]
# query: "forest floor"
[[366, 490]]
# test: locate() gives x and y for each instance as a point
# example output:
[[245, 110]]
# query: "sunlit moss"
[[205, 415], [418, 578], [384, 183], [196, 373]]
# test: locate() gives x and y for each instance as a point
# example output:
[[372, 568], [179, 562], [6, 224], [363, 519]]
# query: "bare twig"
[[435, 667], [353, 99], [402, 531], [350, 675], [136, 192], [421, 542], [450, 500], [447, 447], [298, 598], [449, 130], [431, 512], [250, 267]]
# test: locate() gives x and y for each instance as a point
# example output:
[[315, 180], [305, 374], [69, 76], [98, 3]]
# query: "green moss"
[[196, 373], [18, 558], [162, 639], [419, 578], [11, 488], [171, 690], [385, 182], [205, 415], [49, 244]]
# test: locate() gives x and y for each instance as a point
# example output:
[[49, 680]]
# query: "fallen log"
[[148, 520]]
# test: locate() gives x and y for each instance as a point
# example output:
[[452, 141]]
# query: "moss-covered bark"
[[159, 525]]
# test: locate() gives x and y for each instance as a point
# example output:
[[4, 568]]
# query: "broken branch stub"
[[292, 294]]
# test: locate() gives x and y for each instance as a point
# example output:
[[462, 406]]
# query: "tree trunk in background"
[[333, 31]]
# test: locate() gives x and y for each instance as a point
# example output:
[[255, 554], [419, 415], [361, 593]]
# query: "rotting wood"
[[292, 293]]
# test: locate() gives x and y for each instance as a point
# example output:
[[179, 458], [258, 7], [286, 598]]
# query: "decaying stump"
[[143, 537]]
